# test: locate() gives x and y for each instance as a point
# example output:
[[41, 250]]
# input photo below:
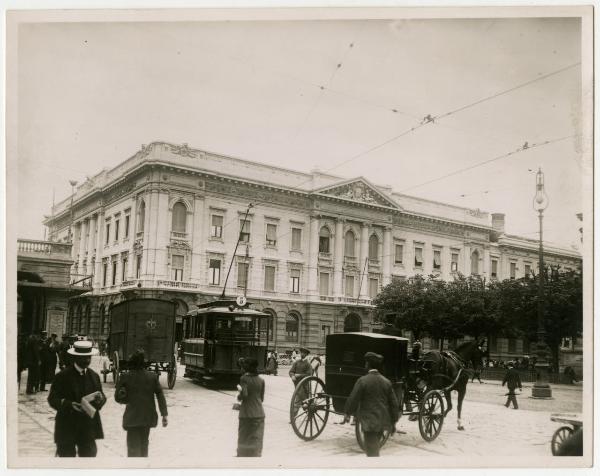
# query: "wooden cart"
[[147, 324]]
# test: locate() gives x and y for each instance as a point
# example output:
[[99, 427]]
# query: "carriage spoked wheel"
[[559, 437], [172, 372], [309, 408], [431, 415], [360, 436], [115, 367]]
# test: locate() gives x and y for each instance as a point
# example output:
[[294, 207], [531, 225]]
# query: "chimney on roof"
[[498, 222]]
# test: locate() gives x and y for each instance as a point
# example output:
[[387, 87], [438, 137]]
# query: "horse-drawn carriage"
[[147, 324], [416, 384]]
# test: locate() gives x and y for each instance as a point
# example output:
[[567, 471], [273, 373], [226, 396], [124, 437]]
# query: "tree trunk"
[[441, 344]]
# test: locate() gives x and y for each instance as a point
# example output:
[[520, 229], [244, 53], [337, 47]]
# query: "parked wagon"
[[571, 423], [344, 365], [147, 324]]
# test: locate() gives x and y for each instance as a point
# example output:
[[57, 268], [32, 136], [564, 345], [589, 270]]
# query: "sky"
[[344, 96]]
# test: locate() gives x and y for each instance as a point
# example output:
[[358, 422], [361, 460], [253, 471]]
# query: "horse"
[[447, 371]]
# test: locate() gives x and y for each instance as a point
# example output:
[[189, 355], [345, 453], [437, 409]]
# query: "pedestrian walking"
[[48, 361], [63, 351], [272, 363], [137, 389], [374, 404], [512, 380], [478, 362], [251, 394], [21, 357], [300, 368], [34, 362], [76, 395]]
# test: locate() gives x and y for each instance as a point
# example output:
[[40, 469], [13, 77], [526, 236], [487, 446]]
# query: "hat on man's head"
[[373, 358], [510, 364], [304, 349], [82, 348]]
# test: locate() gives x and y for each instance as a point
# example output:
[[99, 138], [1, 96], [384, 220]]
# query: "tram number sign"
[[241, 301], [151, 324]]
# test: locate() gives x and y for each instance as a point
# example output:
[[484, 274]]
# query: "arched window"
[[88, 319], [291, 328], [102, 320], [324, 236], [141, 216], [349, 243], [475, 262], [352, 323], [373, 247], [179, 218]]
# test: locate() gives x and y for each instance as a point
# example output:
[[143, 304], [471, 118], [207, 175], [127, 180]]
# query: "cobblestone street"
[[203, 428]]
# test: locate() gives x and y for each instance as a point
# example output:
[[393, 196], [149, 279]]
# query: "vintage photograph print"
[[300, 238]]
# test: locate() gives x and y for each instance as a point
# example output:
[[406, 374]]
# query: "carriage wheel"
[[172, 372], [115, 367], [104, 370], [310, 418], [559, 437], [431, 415], [360, 436]]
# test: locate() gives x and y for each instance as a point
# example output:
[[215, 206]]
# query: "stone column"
[[99, 250], [338, 258], [467, 260], [387, 256], [91, 244], [82, 247], [198, 241], [364, 255], [313, 256], [487, 264]]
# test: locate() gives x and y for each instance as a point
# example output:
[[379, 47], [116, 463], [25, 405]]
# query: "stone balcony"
[[44, 250]]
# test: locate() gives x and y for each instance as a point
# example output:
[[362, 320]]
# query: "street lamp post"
[[73, 183], [541, 388]]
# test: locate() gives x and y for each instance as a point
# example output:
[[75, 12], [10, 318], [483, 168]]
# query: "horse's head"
[[470, 352]]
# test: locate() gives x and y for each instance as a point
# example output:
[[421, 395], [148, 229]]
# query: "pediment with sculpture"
[[359, 191]]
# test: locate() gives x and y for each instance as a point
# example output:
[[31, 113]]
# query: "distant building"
[[315, 251], [44, 286]]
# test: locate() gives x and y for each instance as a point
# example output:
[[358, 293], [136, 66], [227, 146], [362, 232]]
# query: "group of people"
[[77, 396], [39, 354]]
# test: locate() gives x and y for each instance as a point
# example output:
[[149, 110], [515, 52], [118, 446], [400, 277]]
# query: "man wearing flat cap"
[[301, 368], [374, 404], [77, 425]]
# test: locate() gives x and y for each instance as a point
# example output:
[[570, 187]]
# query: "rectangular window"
[[323, 244], [513, 270], [494, 268], [242, 279], [296, 239], [373, 287], [117, 230], [325, 331], [295, 281], [271, 234], [527, 270], [399, 254], [107, 233], [104, 273], [350, 286], [512, 345], [177, 267], [269, 278], [124, 268], [214, 271], [418, 257], [127, 220], [138, 267], [324, 284], [216, 227], [437, 259], [114, 271], [454, 263], [493, 345], [244, 231]]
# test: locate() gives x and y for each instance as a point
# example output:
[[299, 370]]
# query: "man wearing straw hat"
[[77, 425]]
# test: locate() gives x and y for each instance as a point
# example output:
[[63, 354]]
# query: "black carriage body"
[[147, 324], [217, 334], [345, 361]]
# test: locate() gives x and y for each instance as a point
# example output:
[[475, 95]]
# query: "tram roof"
[[226, 307]]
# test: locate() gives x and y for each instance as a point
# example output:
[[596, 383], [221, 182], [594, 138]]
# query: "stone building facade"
[[315, 249]]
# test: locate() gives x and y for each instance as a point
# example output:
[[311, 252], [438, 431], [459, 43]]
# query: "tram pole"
[[235, 250]]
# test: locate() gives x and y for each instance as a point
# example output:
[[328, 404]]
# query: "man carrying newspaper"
[[76, 395]]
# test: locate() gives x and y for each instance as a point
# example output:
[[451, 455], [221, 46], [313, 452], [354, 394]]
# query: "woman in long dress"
[[252, 416]]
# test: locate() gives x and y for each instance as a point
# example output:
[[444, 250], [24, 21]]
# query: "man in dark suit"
[[251, 394], [137, 389], [300, 368], [75, 432], [33, 353], [374, 403], [512, 379]]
